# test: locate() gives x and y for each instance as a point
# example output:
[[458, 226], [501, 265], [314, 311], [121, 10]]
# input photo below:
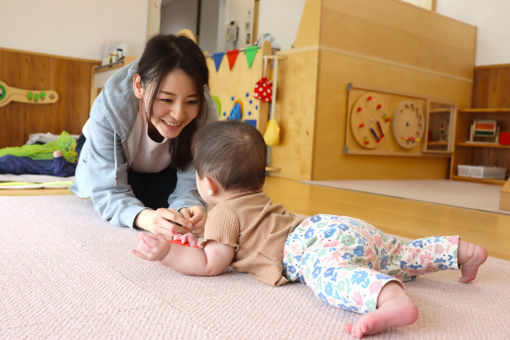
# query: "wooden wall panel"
[[400, 32], [294, 111], [385, 44], [491, 86], [70, 77], [309, 27], [336, 72]]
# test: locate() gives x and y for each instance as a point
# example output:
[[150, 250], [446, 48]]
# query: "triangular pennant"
[[232, 56], [251, 52], [218, 57]]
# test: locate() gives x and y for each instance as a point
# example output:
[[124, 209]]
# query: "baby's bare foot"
[[399, 314], [394, 309], [471, 257]]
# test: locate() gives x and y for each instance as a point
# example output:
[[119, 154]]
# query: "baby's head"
[[233, 153]]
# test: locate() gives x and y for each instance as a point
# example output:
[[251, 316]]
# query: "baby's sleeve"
[[222, 225]]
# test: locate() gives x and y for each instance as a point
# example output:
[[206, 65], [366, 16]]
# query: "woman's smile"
[[176, 104]]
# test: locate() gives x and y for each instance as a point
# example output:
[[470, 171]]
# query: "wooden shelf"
[[479, 180], [99, 69], [99, 75], [272, 169], [479, 153], [441, 110], [482, 145], [121, 63], [502, 110], [440, 127]]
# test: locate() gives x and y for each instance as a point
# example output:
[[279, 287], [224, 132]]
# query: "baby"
[[347, 262]]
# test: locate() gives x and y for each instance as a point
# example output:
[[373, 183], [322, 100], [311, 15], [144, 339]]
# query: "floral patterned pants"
[[347, 261]]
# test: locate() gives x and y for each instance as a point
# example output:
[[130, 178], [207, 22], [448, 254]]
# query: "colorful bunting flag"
[[251, 52], [232, 56], [218, 57]]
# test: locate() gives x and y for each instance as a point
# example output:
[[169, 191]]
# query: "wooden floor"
[[397, 216], [393, 215]]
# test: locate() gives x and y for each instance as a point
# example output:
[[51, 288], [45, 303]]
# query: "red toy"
[[179, 242], [263, 90], [504, 138]]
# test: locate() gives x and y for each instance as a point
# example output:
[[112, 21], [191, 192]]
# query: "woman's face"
[[176, 104]]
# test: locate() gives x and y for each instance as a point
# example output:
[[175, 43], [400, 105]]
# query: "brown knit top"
[[257, 229]]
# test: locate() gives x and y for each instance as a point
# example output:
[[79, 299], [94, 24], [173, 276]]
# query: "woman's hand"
[[166, 222], [196, 215], [151, 247]]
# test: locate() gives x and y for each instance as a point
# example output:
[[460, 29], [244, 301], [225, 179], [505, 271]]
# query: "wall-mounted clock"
[[408, 124], [369, 120]]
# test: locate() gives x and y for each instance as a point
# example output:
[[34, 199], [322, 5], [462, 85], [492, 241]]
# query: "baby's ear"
[[212, 186]]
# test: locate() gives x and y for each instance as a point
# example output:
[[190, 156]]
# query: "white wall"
[[491, 18], [74, 28], [80, 28], [422, 3], [280, 18], [240, 11], [153, 18]]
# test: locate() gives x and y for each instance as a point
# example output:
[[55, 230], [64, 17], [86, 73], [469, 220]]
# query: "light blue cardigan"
[[103, 164]]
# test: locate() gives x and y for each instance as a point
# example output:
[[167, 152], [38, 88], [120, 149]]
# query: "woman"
[[135, 162]]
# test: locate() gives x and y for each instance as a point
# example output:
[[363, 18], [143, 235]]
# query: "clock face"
[[369, 120], [408, 124]]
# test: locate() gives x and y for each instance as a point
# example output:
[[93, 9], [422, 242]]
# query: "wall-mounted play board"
[[386, 123], [232, 79]]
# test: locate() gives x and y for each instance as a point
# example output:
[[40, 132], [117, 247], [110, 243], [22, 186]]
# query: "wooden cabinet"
[[469, 151], [440, 128]]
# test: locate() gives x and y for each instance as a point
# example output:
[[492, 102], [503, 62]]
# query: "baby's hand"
[[187, 238], [151, 247], [196, 215]]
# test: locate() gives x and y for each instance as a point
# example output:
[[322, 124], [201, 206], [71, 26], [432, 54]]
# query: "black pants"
[[152, 189]]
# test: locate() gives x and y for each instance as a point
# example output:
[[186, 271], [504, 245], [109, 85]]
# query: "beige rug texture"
[[65, 274], [461, 194]]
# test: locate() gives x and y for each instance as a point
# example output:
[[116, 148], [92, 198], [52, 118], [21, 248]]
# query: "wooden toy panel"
[[69, 78], [369, 121], [408, 124], [384, 123]]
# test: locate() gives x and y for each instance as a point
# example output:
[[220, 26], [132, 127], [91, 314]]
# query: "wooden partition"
[[384, 44], [491, 86], [69, 77]]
